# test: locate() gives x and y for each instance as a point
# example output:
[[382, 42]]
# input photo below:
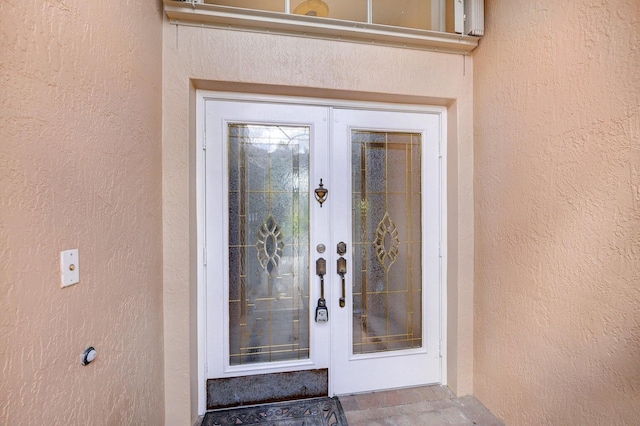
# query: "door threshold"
[[258, 389]]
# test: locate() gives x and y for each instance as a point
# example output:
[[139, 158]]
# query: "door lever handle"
[[342, 270], [322, 313]]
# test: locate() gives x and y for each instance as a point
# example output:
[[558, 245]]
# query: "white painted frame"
[[201, 97]]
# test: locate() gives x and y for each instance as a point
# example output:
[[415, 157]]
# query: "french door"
[[322, 232]]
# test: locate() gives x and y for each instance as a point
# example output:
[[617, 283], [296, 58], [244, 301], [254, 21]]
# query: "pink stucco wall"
[[80, 167], [557, 196]]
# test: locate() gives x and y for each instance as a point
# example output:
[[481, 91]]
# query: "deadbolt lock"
[[342, 248]]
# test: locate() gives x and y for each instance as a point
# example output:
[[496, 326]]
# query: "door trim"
[[200, 190]]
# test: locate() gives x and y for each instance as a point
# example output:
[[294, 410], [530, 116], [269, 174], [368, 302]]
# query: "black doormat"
[[306, 412]]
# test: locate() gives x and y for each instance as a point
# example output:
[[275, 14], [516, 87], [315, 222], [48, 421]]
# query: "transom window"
[[451, 26], [433, 15]]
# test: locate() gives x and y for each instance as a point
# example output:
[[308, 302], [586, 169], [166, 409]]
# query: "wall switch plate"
[[69, 267]]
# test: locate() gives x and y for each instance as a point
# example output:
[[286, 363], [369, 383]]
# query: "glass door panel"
[[386, 228], [268, 243]]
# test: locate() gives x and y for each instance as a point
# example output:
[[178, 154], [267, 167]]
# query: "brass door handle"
[[322, 313], [342, 270]]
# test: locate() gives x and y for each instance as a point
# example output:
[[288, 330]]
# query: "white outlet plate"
[[69, 267]]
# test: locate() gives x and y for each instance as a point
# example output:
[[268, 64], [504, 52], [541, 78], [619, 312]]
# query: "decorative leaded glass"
[[268, 243], [387, 281]]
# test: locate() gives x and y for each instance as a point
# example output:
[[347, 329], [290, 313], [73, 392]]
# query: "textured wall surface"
[[557, 190], [80, 167], [297, 64]]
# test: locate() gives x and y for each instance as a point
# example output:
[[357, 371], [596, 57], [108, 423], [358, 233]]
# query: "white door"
[[265, 230], [386, 208]]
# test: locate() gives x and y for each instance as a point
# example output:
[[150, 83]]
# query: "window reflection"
[[268, 5]]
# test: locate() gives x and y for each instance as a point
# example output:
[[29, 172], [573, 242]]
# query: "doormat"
[[306, 412]]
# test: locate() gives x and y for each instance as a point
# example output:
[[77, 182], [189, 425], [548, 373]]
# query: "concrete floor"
[[427, 405]]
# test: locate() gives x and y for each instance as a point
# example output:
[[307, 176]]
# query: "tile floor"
[[427, 405]]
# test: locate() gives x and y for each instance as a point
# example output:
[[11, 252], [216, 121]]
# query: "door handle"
[[342, 270], [322, 313]]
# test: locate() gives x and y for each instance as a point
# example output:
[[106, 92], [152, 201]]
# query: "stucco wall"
[[80, 167], [247, 61], [557, 195]]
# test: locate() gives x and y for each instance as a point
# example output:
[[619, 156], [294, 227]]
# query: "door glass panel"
[[268, 243], [387, 278]]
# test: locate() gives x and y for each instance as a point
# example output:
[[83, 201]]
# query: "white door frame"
[[200, 188]]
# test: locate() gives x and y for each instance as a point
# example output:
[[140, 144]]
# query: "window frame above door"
[[199, 14]]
